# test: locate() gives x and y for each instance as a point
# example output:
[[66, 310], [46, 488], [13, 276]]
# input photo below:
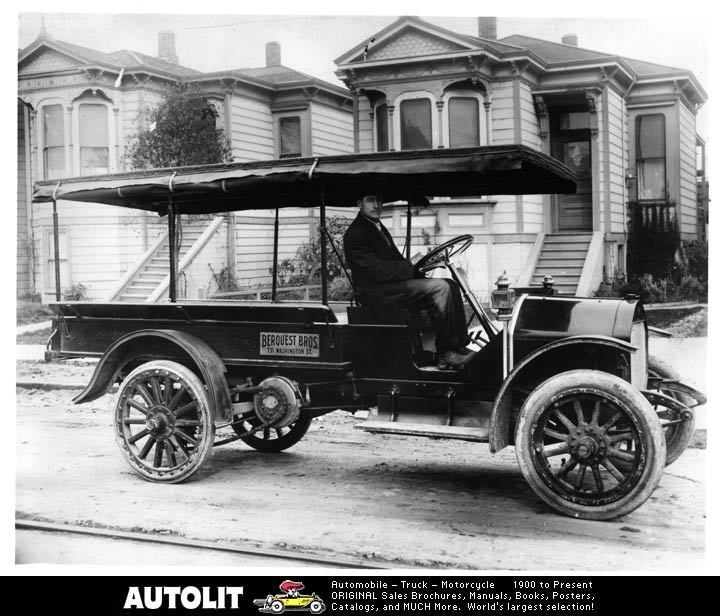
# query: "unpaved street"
[[389, 500]]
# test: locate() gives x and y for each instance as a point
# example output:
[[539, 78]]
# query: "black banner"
[[342, 595]]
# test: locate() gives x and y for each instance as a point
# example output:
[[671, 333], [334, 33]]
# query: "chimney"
[[570, 39], [166, 46], [487, 27], [272, 54]]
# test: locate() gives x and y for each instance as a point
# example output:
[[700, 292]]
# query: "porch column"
[[440, 104]]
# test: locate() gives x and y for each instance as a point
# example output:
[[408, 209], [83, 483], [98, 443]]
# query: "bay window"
[[650, 156], [464, 121], [415, 124], [53, 132], [94, 139]]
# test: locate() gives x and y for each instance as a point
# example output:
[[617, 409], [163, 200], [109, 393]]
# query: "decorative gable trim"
[[48, 60], [404, 25], [412, 42]]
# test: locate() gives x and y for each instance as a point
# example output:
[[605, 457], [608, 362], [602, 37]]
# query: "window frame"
[[112, 128], [85, 103], [482, 113], [639, 159], [40, 131], [397, 117], [305, 142]]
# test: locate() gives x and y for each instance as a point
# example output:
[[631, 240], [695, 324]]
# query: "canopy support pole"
[[323, 246], [172, 288], [56, 241], [409, 231], [275, 255]]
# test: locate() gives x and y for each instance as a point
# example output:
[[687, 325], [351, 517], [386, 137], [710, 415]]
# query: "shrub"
[[696, 257], [75, 293], [225, 280], [340, 290]]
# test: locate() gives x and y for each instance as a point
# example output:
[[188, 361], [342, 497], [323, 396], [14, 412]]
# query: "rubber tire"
[[274, 607], [204, 409], [632, 400], [276, 445], [316, 607], [678, 437]]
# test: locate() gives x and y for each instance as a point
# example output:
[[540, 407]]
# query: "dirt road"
[[407, 502]]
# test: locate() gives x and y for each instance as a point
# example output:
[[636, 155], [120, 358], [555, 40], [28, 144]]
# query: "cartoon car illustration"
[[290, 599]]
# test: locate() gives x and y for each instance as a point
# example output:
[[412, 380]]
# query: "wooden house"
[[627, 128]]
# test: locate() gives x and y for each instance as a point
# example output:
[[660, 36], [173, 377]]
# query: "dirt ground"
[[390, 500]]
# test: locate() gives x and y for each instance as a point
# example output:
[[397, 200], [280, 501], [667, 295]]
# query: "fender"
[[181, 345], [500, 415]]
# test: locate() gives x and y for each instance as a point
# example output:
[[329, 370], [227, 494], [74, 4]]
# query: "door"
[[571, 145]]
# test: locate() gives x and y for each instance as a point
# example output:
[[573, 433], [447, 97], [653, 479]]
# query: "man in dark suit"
[[384, 278]]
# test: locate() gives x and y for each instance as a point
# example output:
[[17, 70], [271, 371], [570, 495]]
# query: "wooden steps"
[[563, 257]]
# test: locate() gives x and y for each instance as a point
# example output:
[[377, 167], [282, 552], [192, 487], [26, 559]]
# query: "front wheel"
[[163, 422], [590, 445], [678, 433]]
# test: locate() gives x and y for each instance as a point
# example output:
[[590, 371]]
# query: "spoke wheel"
[[677, 435], [590, 445], [163, 422], [271, 440]]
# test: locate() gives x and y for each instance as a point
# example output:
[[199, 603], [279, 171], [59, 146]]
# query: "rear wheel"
[[163, 422], [271, 440], [677, 435], [590, 445]]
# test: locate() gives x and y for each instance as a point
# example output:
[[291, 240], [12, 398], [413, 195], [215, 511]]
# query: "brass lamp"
[[503, 298]]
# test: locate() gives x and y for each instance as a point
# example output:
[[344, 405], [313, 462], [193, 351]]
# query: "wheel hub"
[[587, 444], [160, 422]]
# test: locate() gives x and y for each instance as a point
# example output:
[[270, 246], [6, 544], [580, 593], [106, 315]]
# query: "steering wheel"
[[442, 254]]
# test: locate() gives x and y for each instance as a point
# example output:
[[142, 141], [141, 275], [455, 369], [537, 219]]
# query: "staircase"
[[142, 280], [562, 256]]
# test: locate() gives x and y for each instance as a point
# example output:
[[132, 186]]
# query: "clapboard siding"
[[504, 215], [532, 213], [365, 126], [529, 125], [332, 130], [617, 161], [503, 114], [252, 130], [23, 278], [688, 185]]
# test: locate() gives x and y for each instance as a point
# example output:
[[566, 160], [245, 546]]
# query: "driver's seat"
[[422, 337]]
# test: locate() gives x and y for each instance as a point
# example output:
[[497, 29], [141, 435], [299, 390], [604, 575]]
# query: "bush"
[[75, 293], [340, 290], [696, 257], [225, 280], [653, 290]]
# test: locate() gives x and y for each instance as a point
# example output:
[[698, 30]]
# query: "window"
[[53, 141], [574, 120], [464, 122], [381, 122], [94, 139], [415, 124], [650, 156], [65, 281], [290, 137]]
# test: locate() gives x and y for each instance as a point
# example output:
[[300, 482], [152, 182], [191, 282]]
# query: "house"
[[77, 109], [625, 126]]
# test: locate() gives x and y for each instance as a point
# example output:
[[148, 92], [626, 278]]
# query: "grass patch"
[[31, 312], [39, 337]]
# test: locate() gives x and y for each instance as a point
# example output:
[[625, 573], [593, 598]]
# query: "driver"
[[383, 278]]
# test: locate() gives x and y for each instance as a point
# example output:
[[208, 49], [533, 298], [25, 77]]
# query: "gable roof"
[[125, 58], [560, 52], [406, 23]]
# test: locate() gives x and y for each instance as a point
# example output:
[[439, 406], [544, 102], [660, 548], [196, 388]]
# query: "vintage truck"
[[566, 380]]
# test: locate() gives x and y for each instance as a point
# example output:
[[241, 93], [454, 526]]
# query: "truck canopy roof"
[[338, 180]]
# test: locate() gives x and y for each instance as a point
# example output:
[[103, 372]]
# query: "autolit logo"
[[290, 599]]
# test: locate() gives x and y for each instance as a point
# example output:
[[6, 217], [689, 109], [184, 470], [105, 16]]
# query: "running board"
[[417, 429]]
